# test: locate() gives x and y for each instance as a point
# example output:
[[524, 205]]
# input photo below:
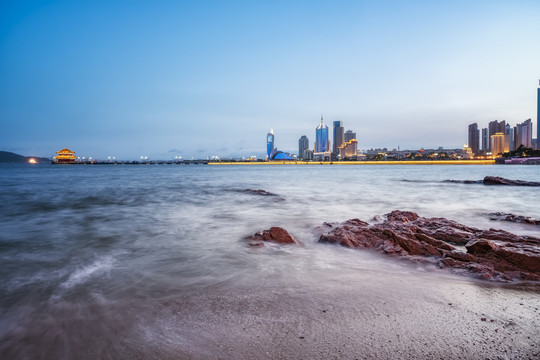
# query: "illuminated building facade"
[[495, 127], [349, 149], [322, 143], [65, 156], [499, 144]]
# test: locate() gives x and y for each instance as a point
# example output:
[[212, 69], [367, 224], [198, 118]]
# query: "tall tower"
[[322, 144], [339, 137], [485, 140], [303, 145], [474, 138], [524, 134], [538, 118], [269, 143], [495, 127]]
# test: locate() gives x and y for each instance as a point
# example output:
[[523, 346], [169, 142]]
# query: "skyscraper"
[[523, 134], [339, 137], [303, 145], [269, 143], [322, 143], [485, 140], [538, 118], [349, 135], [474, 138], [495, 127], [511, 138], [499, 143]]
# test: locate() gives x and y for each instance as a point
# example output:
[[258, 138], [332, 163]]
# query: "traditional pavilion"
[[65, 156]]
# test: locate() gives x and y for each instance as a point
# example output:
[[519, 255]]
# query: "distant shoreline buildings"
[[499, 137]]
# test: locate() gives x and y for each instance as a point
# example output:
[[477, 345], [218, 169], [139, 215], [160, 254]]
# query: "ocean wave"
[[81, 275]]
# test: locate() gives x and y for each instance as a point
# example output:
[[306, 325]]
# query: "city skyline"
[[197, 80]]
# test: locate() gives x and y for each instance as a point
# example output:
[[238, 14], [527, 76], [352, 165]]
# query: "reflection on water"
[[108, 249]]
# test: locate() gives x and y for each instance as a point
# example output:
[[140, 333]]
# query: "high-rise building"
[[538, 118], [509, 131], [499, 143], [339, 137], [269, 143], [485, 140], [322, 143], [474, 138], [349, 135], [523, 134], [303, 145], [493, 128]]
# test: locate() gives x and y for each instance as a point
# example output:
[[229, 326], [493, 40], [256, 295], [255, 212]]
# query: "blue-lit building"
[[270, 144], [322, 143], [272, 153]]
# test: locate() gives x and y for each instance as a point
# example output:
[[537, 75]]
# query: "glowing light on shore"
[[32, 161]]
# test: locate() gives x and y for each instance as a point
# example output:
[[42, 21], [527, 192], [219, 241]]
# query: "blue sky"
[[203, 78]]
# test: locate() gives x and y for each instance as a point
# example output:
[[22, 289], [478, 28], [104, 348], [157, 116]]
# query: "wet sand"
[[415, 315], [461, 320]]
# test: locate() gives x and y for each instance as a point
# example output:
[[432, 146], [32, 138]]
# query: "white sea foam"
[[81, 275]]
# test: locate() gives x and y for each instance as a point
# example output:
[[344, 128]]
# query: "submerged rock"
[[274, 234], [256, 192], [488, 254], [464, 181], [513, 218], [496, 180]]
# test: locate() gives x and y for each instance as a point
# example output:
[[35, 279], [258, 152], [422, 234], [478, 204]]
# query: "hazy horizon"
[[198, 79]]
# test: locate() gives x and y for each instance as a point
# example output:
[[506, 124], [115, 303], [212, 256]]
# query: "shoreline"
[[412, 162]]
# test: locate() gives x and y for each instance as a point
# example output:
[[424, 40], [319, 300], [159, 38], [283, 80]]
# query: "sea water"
[[95, 259]]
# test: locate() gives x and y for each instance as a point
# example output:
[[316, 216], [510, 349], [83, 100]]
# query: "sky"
[[209, 78]]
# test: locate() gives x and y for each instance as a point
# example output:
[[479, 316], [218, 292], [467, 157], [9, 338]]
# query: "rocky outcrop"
[[487, 254], [496, 180], [274, 234], [513, 218], [256, 192]]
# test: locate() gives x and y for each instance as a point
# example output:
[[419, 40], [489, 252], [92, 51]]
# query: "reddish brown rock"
[[480, 247], [496, 180], [274, 234], [488, 254], [513, 218]]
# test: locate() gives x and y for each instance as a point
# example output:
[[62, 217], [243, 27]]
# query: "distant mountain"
[[9, 157]]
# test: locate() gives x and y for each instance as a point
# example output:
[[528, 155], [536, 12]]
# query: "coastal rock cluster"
[[494, 255], [487, 254]]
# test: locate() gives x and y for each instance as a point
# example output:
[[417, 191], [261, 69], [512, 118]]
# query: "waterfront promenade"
[[411, 162]]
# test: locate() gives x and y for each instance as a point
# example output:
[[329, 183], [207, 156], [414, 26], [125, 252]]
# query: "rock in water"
[[496, 180], [490, 254], [513, 218], [274, 234]]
